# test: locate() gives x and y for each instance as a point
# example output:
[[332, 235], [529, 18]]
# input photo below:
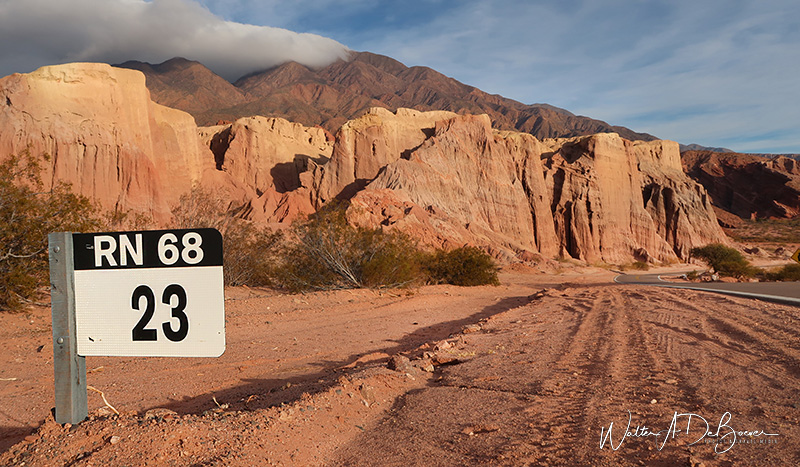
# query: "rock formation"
[[614, 199], [748, 186], [103, 135], [270, 159], [368, 143], [462, 173], [447, 179], [596, 198]]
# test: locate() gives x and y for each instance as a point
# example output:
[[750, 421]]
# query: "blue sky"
[[713, 72]]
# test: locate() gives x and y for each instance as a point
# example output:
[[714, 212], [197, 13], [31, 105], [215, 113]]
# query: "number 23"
[[141, 333]]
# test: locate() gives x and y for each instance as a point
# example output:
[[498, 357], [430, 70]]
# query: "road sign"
[[796, 255], [149, 293]]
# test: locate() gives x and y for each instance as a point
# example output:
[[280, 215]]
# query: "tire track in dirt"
[[579, 358], [616, 368], [756, 342]]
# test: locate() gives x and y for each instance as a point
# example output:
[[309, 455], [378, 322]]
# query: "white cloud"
[[716, 72], [41, 32]]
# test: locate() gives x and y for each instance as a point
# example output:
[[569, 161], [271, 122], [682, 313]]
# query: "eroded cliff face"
[[103, 135], [270, 161], [613, 199], [680, 207], [366, 144], [463, 176], [114, 145], [598, 198]]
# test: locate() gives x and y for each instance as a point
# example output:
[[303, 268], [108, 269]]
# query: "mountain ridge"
[[345, 89]]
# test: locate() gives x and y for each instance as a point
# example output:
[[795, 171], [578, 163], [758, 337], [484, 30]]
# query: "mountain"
[[698, 147], [772, 156], [187, 85], [330, 96]]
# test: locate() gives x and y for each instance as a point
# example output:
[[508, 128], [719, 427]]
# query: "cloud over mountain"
[[43, 32]]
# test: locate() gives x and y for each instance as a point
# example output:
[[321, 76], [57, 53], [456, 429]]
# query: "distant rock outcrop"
[[749, 186]]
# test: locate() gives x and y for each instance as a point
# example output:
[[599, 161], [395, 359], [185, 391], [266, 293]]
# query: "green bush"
[[464, 266], [250, 254], [726, 261], [790, 272], [327, 253], [28, 213]]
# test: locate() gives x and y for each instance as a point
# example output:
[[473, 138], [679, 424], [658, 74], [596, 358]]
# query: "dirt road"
[[535, 380], [548, 377]]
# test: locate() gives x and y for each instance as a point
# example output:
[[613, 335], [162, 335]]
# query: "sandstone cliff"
[[595, 198], [368, 143], [270, 160], [103, 134], [614, 199], [464, 174], [114, 145]]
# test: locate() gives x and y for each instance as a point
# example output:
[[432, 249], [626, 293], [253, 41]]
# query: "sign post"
[[70, 368], [146, 293], [796, 255]]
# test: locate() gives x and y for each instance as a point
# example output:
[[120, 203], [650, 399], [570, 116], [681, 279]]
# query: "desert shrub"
[[328, 253], [636, 265], [28, 213], [464, 266], [250, 253], [692, 275], [790, 272], [396, 262], [726, 261]]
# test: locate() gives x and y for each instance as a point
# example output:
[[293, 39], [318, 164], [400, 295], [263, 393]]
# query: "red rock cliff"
[[103, 134], [595, 198]]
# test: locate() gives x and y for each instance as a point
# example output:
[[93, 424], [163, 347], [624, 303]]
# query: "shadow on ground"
[[262, 393]]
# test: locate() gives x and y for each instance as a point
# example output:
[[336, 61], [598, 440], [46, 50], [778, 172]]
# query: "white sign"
[[149, 294]]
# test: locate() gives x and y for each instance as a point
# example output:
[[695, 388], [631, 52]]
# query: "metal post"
[[70, 369]]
